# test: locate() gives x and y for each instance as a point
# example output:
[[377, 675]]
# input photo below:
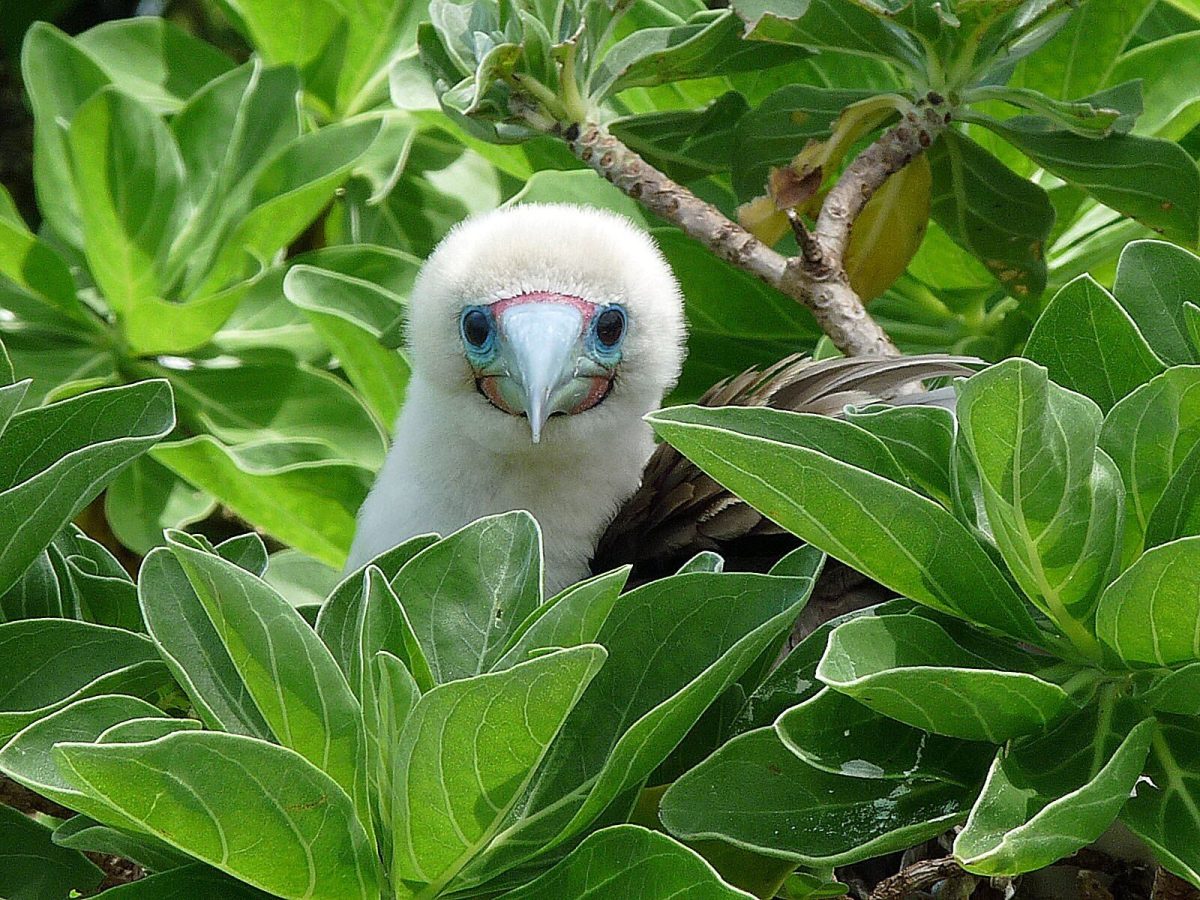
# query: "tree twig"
[[916, 877], [817, 277]]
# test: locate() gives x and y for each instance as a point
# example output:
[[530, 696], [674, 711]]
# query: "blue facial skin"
[[540, 359]]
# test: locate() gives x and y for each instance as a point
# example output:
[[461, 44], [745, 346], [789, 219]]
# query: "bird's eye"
[[610, 327], [476, 328]]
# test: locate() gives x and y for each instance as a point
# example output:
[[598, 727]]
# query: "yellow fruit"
[[888, 232]]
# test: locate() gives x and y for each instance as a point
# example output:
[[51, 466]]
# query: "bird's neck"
[[439, 476]]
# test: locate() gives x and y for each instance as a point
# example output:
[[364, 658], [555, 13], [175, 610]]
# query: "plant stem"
[[817, 277]]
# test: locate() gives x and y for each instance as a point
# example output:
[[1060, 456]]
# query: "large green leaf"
[[467, 594], [1003, 220], [756, 794], [83, 833], [33, 867], [147, 498], [1163, 809], [1178, 512], [829, 25], [1168, 67], [302, 499], [351, 313], [1048, 796], [467, 753], [628, 861], [882, 528], [191, 646], [27, 759], [253, 809], [707, 45], [127, 165], [914, 670], [779, 128], [1053, 500], [1090, 344], [185, 883], [59, 76], [56, 459], [713, 627], [1154, 281], [1080, 58], [289, 674], [154, 60], [1155, 182], [1151, 614], [32, 265], [56, 661], [1149, 434], [302, 404], [920, 438]]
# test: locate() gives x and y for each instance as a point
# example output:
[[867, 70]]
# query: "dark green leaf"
[[629, 861], [1163, 810], [82, 833], [1178, 512], [1154, 282], [1000, 218], [147, 498], [32, 867]]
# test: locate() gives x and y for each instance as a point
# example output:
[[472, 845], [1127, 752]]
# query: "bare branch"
[[916, 877], [817, 278]]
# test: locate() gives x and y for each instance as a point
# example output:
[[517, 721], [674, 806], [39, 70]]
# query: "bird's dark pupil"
[[610, 326], [476, 328]]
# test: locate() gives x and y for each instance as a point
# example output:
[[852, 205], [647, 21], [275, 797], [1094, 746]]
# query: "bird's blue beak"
[[535, 359]]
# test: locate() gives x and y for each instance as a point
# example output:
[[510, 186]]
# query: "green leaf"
[[56, 459], [1155, 182], [302, 405], [263, 813], [288, 672], [1154, 282], [725, 622], [1167, 67], [154, 61], [60, 660], [1003, 220], [685, 144], [920, 438], [1053, 500], [33, 867], [83, 833], [628, 861], [103, 590], [183, 884], [1178, 512], [1163, 810], [467, 752], [1031, 814], [300, 579], [147, 498], [227, 134], [26, 758], [1177, 692], [572, 618], [32, 264], [816, 818], [709, 44], [1150, 614], [126, 163], [59, 76], [836, 734], [288, 195], [1149, 434], [983, 691], [779, 128], [1091, 345], [916, 548], [341, 619], [190, 645], [351, 314], [467, 594], [829, 25], [1080, 58], [1108, 112]]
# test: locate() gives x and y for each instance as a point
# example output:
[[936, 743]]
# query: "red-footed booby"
[[539, 337]]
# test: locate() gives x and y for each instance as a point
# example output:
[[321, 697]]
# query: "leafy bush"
[[1050, 577]]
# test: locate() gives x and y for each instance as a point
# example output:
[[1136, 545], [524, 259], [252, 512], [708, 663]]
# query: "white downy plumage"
[[457, 456]]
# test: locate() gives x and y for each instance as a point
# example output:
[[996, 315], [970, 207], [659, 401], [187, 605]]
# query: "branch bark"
[[817, 277]]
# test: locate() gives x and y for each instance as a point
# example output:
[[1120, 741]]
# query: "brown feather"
[[679, 511]]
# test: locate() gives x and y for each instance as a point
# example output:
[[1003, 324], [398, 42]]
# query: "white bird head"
[[546, 324]]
